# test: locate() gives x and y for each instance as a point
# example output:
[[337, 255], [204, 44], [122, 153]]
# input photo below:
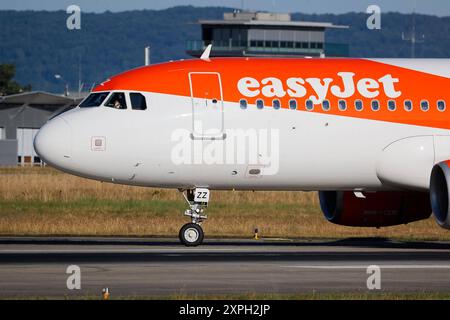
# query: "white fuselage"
[[183, 141], [316, 151]]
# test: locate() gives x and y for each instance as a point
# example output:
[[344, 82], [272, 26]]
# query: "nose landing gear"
[[191, 234]]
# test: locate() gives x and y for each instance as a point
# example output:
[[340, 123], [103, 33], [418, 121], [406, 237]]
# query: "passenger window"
[[408, 105], [375, 105], [441, 105], [117, 101], [326, 105], [259, 104], [309, 105], [243, 104], [138, 101], [391, 105], [276, 104], [293, 104], [358, 105], [424, 105], [342, 105]]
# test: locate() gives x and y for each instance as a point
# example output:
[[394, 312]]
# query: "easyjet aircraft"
[[371, 135]]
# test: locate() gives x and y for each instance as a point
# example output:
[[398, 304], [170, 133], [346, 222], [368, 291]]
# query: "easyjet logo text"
[[344, 86]]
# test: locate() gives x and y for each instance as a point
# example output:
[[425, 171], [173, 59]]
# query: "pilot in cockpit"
[[117, 101], [117, 104]]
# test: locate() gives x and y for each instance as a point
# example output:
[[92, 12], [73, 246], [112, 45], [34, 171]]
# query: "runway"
[[134, 267]]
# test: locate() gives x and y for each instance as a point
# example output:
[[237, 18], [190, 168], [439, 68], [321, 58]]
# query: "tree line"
[[39, 44]]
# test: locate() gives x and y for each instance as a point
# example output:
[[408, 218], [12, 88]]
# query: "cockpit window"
[[94, 100], [117, 101], [137, 101]]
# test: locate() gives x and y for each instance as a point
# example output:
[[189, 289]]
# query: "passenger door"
[[207, 105]]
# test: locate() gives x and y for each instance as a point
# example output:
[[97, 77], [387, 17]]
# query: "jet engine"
[[375, 209], [439, 193]]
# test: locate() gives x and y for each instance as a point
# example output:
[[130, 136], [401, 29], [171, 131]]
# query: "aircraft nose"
[[53, 142]]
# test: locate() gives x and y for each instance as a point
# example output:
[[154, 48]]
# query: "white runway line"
[[171, 250], [352, 267]]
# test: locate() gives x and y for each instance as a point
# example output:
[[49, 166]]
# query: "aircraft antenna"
[[206, 53]]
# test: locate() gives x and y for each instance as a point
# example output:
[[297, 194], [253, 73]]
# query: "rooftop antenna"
[[413, 38], [80, 83]]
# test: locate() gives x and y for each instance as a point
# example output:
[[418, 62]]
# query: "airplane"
[[372, 136]]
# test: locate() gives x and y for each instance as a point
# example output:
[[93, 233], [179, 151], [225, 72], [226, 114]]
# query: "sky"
[[433, 7]]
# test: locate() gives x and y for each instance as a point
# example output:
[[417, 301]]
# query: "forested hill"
[[40, 45]]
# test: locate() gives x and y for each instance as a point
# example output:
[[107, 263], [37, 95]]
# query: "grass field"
[[43, 201], [254, 296]]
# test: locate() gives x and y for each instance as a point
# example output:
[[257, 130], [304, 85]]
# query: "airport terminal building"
[[21, 116], [247, 34]]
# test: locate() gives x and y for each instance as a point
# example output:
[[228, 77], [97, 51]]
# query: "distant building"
[[21, 116], [265, 34]]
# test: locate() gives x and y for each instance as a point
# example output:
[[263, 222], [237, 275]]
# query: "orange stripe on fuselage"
[[173, 78]]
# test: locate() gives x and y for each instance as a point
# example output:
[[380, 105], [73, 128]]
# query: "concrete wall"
[[8, 152]]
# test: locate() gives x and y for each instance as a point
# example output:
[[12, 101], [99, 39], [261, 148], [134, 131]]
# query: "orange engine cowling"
[[377, 209]]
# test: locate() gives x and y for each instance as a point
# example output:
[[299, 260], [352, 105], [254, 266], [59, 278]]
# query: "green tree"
[[7, 84]]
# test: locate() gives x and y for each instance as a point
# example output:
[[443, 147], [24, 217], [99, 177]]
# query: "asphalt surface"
[[132, 267]]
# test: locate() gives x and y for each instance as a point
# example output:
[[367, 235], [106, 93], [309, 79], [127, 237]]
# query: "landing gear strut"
[[191, 234]]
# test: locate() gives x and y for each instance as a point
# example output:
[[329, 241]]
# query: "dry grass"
[[43, 201], [258, 296], [310, 296]]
